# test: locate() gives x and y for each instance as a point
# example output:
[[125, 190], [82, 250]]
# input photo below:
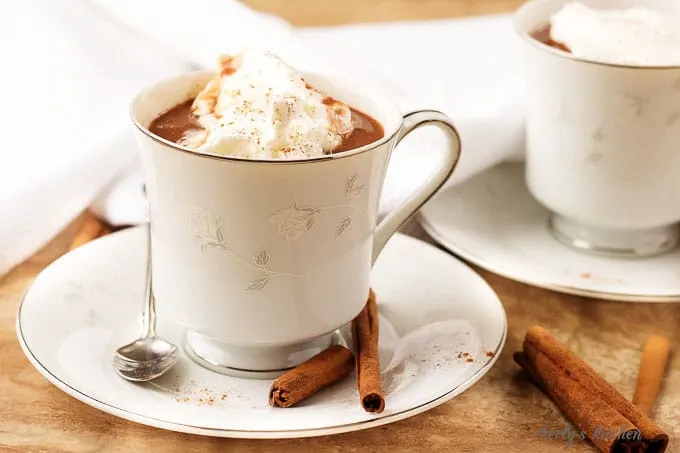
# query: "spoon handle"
[[149, 313]]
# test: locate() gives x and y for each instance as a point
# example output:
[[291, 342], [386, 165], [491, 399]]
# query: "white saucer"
[[495, 223], [434, 310]]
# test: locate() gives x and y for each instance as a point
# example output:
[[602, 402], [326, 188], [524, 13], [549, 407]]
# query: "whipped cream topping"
[[635, 36], [259, 107]]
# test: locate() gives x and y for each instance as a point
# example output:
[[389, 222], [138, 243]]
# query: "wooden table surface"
[[502, 413]]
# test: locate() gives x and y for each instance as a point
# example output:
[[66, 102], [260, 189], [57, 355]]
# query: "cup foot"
[[253, 362], [613, 243]]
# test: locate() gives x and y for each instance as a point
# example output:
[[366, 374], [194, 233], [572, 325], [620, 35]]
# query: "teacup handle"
[[413, 120]]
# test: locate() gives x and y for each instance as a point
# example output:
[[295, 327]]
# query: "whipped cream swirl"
[[259, 107], [635, 36]]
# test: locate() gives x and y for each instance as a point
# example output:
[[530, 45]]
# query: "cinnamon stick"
[[90, 229], [365, 338], [325, 368], [652, 366], [581, 405], [611, 422]]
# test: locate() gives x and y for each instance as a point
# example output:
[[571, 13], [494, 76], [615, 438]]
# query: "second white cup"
[[603, 142]]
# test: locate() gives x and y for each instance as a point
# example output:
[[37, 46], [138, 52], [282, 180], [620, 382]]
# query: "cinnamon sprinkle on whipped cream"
[[258, 107]]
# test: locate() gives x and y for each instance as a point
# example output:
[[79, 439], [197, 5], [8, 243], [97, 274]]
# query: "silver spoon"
[[149, 356]]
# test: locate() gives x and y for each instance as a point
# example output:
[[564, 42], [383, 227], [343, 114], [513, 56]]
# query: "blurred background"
[[306, 13]]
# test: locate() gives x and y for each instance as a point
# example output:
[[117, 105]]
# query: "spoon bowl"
[[145, 359]]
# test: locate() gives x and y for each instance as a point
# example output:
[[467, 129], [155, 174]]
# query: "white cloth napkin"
[[467, 68], [74, 65]]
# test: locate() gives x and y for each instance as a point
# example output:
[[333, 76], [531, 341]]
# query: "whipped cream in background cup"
[[262, 260], [603, 141]]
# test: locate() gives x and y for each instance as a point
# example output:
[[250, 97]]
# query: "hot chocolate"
[[260, 108], [543, 35], [180, 121], [634, 36], [261, 259]]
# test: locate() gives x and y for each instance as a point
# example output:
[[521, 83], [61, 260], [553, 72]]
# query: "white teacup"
[[262, 260], [603, 141]]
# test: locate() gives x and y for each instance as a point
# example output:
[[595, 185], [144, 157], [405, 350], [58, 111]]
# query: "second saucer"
[[495, 223]]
